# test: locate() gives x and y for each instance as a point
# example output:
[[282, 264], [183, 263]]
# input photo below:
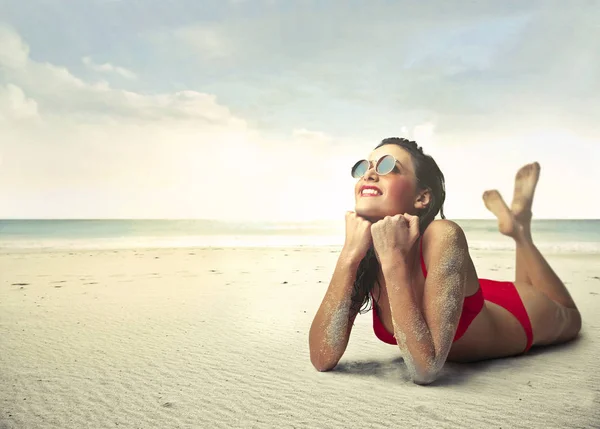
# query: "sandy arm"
[[330, 329], [425, 337]]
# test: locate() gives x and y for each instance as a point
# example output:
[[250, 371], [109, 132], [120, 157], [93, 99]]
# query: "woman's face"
[[388, 195]]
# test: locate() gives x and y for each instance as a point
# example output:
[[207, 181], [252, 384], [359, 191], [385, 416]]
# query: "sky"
[[257, 109]]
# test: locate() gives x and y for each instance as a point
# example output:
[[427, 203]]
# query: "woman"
[[419, 275]]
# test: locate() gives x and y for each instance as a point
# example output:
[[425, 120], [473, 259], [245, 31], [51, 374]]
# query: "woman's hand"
[[358, 236], [394, 236]]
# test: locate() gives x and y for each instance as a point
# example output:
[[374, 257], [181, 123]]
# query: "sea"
[[556, 236]]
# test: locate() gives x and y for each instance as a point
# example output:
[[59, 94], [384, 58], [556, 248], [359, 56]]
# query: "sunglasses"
[[384, 165]]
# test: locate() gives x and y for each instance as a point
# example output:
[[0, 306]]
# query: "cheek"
[[400, 191]]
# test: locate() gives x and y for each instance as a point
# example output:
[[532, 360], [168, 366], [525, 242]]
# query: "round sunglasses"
[[384, 165]]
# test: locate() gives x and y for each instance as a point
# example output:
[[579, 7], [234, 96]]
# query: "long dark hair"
[[430, 177]]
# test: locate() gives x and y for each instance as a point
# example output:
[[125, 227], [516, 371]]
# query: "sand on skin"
[[194, 338]]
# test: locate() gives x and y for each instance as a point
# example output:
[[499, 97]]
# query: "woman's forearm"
[[330, 329], [410, 328]]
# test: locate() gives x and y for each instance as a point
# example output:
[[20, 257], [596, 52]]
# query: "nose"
[[371, 174]]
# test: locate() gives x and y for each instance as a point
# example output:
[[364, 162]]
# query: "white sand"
[[217, 339]]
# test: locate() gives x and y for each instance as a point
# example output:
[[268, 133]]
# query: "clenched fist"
[[358, 236], [395, 235]]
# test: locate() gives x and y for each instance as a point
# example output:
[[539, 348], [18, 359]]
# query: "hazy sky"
[[257, 109]]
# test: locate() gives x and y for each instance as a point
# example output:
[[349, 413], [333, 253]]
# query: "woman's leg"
[[531, 267], [525, 183]]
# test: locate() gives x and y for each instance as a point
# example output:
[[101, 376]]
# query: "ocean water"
[[557, 236]]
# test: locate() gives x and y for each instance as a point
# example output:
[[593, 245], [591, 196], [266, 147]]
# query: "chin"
[[369, 213], [374, 212]]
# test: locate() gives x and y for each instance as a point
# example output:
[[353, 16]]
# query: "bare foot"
[[507, 223], [525, 182]]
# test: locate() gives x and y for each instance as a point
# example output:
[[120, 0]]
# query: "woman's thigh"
[[549, 319]]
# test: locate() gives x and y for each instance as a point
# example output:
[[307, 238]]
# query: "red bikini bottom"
[[506, 296]]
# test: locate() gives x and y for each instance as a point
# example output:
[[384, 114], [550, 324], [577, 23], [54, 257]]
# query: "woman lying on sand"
[[418, 273]]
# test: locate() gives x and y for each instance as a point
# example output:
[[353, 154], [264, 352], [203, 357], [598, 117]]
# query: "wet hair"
[[429, 177]]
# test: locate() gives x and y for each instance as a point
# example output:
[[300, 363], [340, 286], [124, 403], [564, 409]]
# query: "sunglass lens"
[[386, 165], [360, 168]]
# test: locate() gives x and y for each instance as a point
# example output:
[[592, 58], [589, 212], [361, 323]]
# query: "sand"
[[218, 338]]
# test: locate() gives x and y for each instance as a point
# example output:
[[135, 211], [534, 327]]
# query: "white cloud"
[[477, 67], [59, 92], [209, 41], [108, 68], [15, 105], [483, 88], [81, 149], [14, 52]]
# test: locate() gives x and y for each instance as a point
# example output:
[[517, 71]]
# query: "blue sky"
[[129, 109]]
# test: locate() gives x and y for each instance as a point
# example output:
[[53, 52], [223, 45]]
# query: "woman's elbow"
[[424, 379], [426, 374], [321, 363], [324, 368]]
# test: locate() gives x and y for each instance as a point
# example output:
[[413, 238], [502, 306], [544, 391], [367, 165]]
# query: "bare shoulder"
[[446, 252], [443, 234]]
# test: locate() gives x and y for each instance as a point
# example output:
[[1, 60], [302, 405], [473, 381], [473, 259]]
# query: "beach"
[[218, 338]]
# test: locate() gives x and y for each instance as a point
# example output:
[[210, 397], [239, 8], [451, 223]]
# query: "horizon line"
[[247, 221]]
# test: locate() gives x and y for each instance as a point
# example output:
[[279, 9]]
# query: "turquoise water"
[[563, 236]]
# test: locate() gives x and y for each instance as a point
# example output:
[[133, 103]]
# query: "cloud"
[[480, 67], [14, 52], [208, 41], [72, 148], [14, 105], [58, 91], [297, 93], [108, 68]]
